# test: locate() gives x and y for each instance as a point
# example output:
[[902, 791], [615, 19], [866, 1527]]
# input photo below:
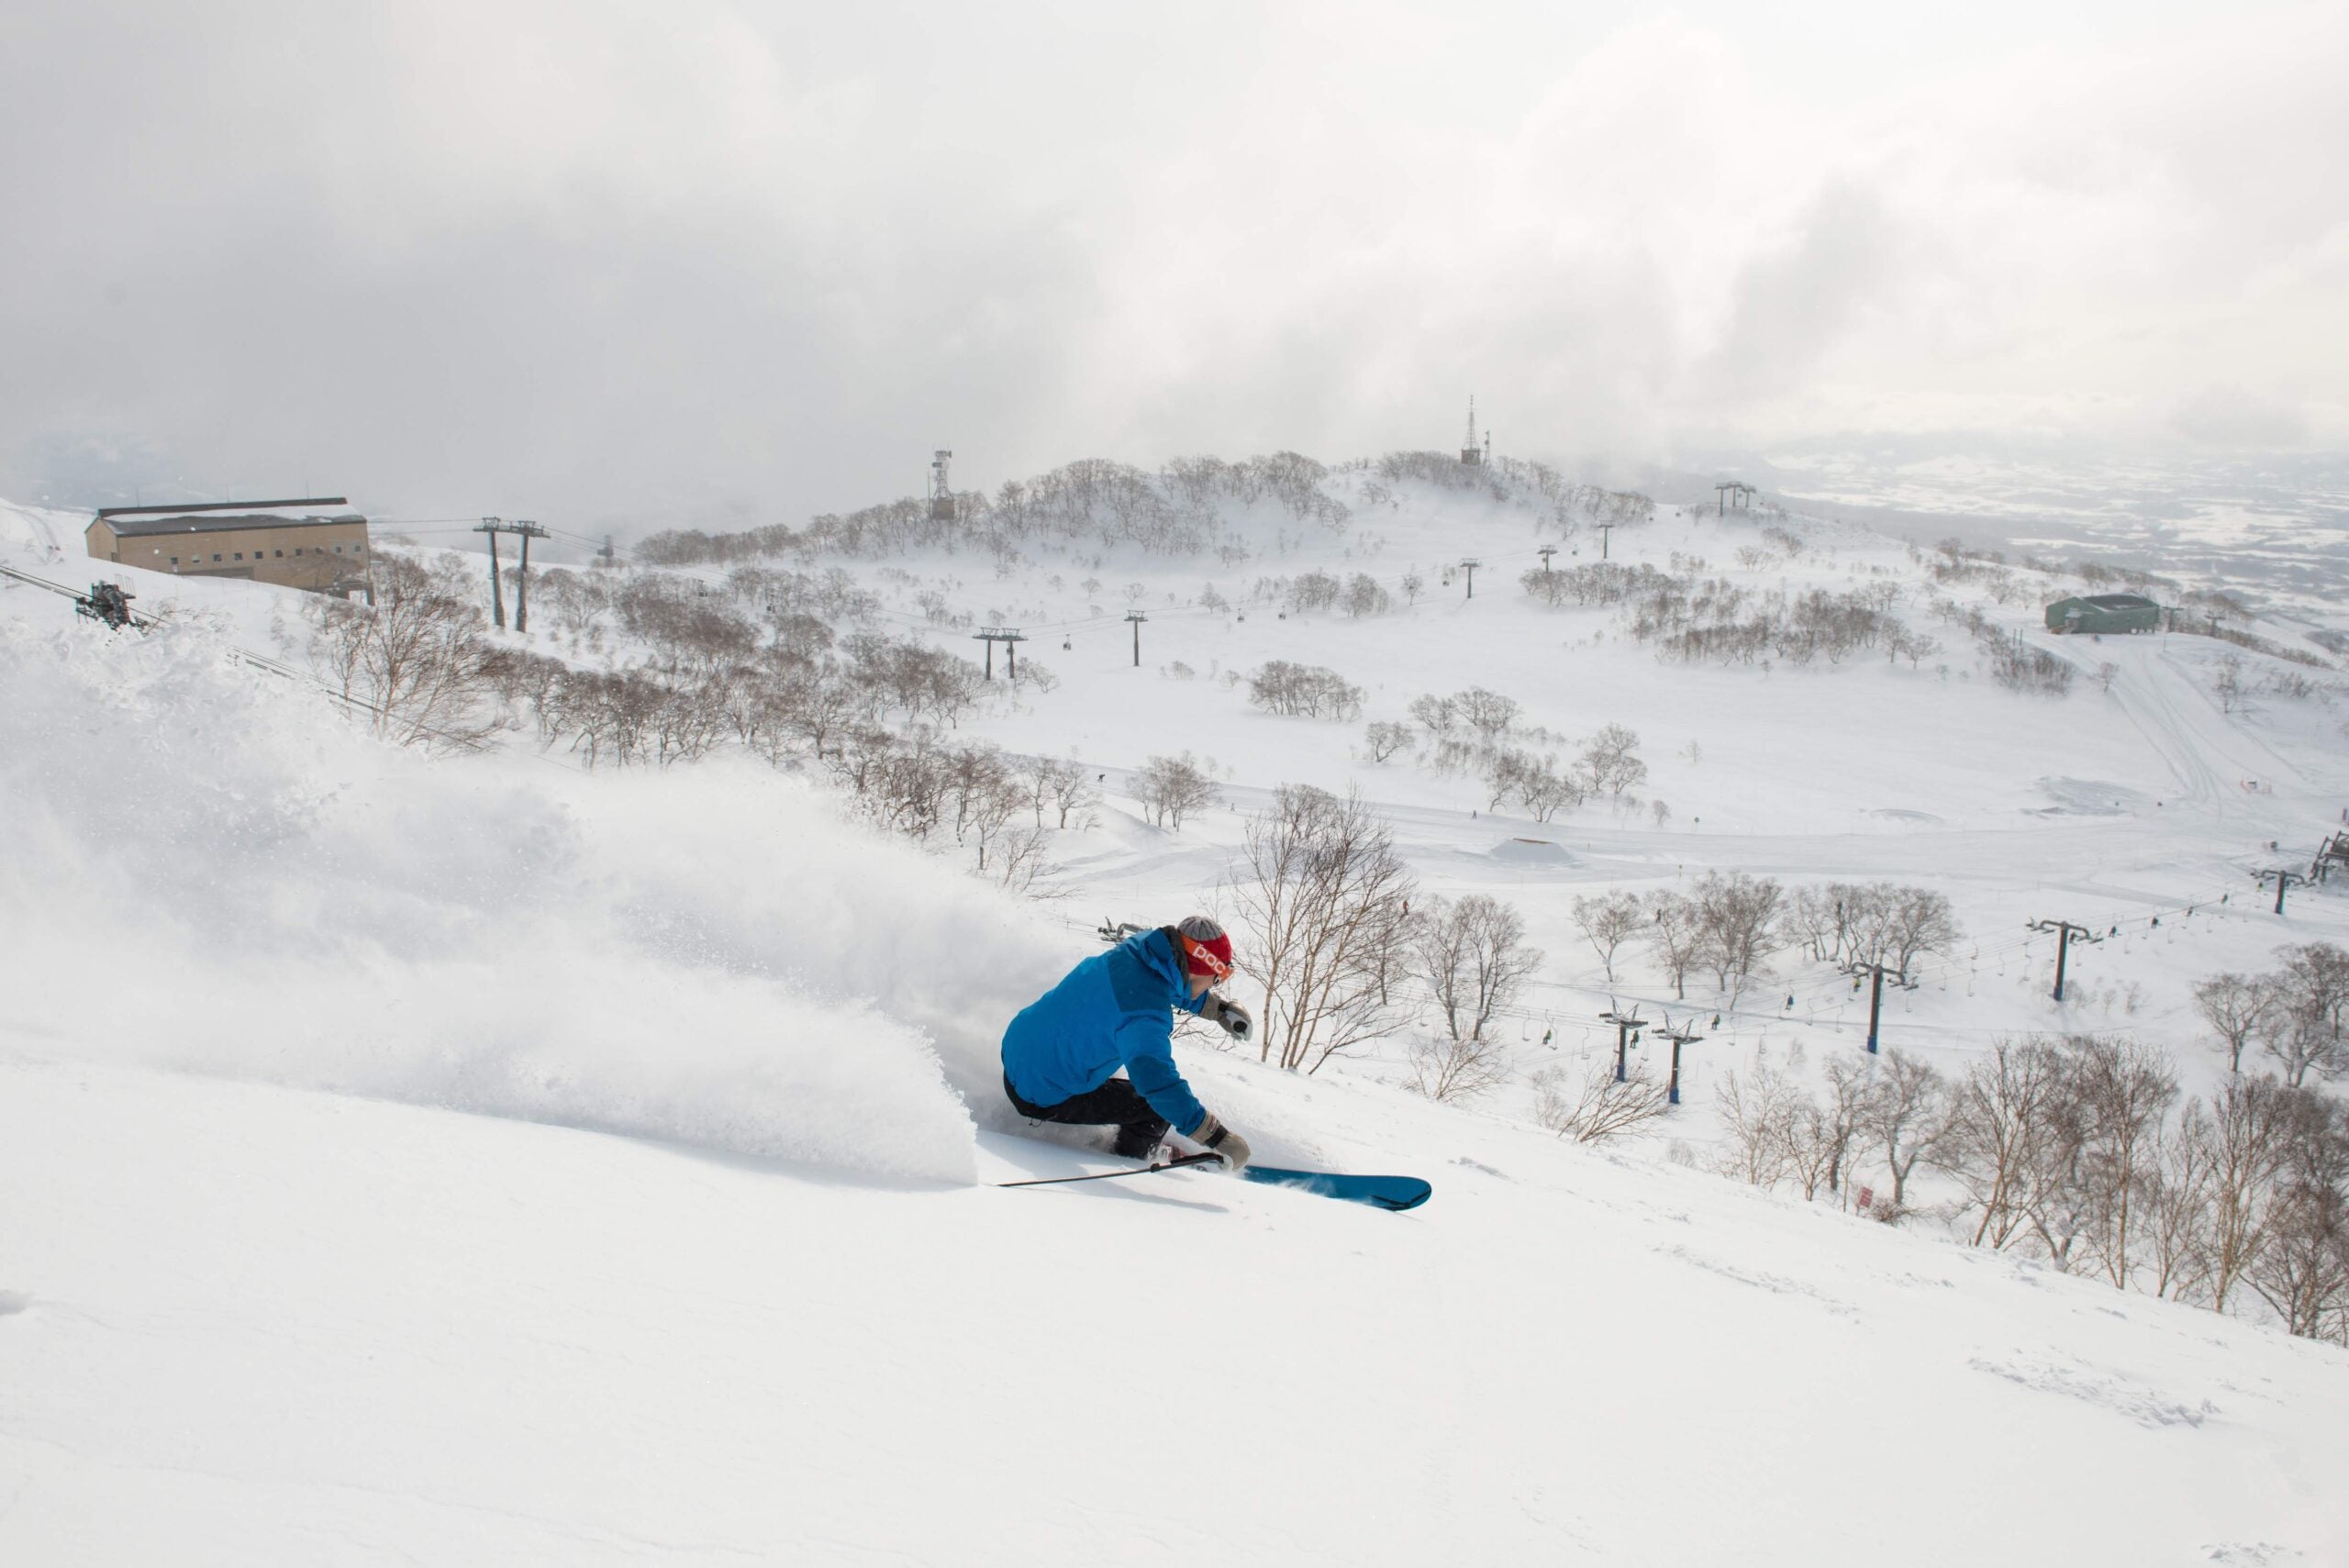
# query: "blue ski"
[[1396, 1192]]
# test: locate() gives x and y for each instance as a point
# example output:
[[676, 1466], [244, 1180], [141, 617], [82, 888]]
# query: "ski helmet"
[[1206, 949]]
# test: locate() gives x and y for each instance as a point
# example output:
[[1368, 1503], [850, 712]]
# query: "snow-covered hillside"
[[492, 1159]]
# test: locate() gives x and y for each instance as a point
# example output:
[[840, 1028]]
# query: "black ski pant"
[[1114, 1103]]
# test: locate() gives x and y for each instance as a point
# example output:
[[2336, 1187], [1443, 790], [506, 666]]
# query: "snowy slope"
[[249, 1324], [494, 1161], [2111, 808]]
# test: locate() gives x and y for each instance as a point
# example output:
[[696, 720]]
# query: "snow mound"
[[209, 870]]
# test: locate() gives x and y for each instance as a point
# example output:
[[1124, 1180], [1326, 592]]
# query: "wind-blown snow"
[[206, 876]]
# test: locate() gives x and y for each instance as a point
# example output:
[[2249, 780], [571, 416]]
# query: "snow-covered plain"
[[483, 1160]]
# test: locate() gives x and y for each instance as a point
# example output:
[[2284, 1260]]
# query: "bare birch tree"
[[2125, 1091], [2302, 1272], [1071, 794], [1447, 1067], [1595, 1107], [1319, 884], [2239, 1009], [1171, 787], [2246, 1140], [1996, 1114], [1675, 930], [1471, 954], [415, 656], [2178, 1217], [1607, 922], [1904, 1116], [1736, 921], [2312, 1012], [1610, 761], [1755, 1114]]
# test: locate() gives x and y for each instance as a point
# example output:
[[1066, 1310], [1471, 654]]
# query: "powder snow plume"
[[208, 870]]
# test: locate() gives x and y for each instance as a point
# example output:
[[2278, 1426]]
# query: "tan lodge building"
[[268, 542]]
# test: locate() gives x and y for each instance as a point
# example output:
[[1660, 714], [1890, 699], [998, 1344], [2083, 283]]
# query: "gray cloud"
[[604, 261], [1792, 305]]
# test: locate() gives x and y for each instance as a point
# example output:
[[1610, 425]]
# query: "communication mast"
[[941, 495], [1471, 454]]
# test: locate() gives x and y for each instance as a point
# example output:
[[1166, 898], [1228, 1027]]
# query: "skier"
[[1063, 1051]]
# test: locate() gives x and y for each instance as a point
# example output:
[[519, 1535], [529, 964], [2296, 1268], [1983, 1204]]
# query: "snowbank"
[[209, 870]]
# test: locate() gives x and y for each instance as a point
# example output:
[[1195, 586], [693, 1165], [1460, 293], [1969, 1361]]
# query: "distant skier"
[[1062, 1052]]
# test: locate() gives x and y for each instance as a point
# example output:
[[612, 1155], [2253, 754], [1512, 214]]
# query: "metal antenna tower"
[[1471, 454], [942, 494]]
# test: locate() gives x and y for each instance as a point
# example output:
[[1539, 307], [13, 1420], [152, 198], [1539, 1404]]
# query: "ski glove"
[[1221, 1139], [1230, 1016]]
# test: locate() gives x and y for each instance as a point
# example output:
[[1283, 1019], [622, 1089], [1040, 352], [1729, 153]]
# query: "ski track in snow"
[[2074, 1379], [1761, 1279]]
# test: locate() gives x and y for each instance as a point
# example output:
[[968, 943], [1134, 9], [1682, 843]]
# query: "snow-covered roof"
[[220, 522]]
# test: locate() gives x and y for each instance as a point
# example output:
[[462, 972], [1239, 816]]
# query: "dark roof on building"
[[216, 523], [178, 507]]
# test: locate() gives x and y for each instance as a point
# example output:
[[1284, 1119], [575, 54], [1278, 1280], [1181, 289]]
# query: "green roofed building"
[[2105, 612]]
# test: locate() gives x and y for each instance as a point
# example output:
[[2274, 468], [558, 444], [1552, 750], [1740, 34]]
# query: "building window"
[[338, 549], [297, 549], [279, 554], [175, 561], [216, 555]]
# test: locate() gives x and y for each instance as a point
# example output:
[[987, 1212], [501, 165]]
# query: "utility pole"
[[2067, 934], [2282, 880], [2335, 852], [529, 530], [1678, 1036], [1624, 1024], [1875, 972], [493, 526], [1606, 537], [1011, 639], [1470, 567], [1137, 617]]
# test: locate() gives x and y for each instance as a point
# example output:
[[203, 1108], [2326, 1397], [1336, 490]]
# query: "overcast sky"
[[594, 261]]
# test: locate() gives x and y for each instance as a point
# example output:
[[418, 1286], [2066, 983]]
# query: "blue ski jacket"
[[1111, 1011]]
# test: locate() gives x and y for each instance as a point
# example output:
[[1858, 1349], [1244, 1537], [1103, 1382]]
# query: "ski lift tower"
[[1471, 454], [941, 496]]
